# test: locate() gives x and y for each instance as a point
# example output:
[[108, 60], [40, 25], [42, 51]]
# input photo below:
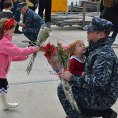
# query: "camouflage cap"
[[98, 24], [21, 5]]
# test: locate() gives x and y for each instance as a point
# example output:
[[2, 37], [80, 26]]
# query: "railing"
[[87, 4], [76, 18]]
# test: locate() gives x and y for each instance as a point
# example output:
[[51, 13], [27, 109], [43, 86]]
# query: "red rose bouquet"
[[58, 58]]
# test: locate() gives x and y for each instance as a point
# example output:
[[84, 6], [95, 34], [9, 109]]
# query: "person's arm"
[[12, 50], [72, 69], [28, 19], [19, 58], [42, 23], [71, 65], [31, 18], [101, 73], [21, 24]]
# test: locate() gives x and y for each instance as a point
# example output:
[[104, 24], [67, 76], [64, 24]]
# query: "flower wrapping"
[[58, 58], [41, 38], [52, 57]]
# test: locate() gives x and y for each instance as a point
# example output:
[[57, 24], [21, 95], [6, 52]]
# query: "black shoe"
[[109, 113], [17, 32], [89, 113]]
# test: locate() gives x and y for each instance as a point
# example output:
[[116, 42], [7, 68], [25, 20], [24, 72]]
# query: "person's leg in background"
[[16, 14], [17, 18], [2, 5], [41, 7], [28, 33], [48, 7], [115, 31]]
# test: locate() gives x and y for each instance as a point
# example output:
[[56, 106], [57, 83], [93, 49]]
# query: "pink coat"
[[10, 52]]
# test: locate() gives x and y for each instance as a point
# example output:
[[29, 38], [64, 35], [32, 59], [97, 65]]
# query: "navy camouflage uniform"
[[98, 89], [33, 24]]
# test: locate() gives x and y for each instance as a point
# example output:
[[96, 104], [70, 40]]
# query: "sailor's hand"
[[66, 75]]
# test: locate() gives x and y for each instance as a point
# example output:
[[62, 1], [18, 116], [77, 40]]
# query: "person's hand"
[[65, 75], [41, 49], [21, 24], [37, 48], [60, 72], [83, 73]]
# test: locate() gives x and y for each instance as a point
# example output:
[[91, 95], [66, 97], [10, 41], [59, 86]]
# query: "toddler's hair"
[[73, 45], [3, 21]]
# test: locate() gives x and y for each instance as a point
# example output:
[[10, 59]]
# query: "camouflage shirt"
[[32, 20], [98, 89]]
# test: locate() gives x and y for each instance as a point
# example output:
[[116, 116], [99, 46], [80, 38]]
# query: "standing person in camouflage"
[[32, 22], [98, 88]]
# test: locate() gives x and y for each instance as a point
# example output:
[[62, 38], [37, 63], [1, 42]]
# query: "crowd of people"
[[93, 70], [32, 22]]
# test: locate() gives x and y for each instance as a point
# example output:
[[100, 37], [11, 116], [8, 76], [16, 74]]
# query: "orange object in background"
[[59, 6]]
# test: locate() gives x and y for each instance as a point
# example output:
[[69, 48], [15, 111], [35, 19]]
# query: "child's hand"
[[83, 73], [42, 48], [38, 48]]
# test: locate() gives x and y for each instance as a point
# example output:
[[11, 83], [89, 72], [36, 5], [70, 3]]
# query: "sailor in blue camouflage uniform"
[[32, 22], [97, 90]]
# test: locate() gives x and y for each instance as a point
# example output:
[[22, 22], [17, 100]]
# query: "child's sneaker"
[[10, 106]]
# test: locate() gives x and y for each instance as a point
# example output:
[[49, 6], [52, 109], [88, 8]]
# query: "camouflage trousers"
[[66, 105], [31, 33], [86, 100]]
